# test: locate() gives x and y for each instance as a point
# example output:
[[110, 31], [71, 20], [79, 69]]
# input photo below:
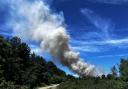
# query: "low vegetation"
[[117, 79], [94, 83], [21, 69]]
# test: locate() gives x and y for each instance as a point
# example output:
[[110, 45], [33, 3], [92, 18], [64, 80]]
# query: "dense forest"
[[21, 69]]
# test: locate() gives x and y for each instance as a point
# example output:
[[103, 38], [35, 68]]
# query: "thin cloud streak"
[[103, 29], [111, 42], [117, 55], [104, 25], [95, 46], [86, 49]]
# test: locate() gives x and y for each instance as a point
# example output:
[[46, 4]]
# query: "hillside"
[[21, 69]]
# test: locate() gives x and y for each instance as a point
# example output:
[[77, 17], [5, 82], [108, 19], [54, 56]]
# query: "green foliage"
[[93, 83], [103, 76], [23, 68], [110, 76], [11, 85], [123, 67], [111, 81], [114, 71]]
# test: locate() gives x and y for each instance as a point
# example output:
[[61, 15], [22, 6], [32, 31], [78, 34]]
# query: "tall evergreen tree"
[[123, 68], [20, 66], [114, 71]]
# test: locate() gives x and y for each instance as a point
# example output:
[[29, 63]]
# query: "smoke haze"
[[33, 20]]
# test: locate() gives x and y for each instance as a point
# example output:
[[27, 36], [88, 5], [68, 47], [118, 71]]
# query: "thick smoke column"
[[35, 21]]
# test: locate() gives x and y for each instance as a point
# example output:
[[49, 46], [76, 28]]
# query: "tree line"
[[21, 69], [116, 79]]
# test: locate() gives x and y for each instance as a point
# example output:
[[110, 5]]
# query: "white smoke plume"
[[34, 20]]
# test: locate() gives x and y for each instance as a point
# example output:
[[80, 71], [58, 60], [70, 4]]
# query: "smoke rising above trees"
[[35, 21]]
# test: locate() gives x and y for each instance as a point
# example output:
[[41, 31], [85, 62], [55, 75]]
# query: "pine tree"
[[114, 71]]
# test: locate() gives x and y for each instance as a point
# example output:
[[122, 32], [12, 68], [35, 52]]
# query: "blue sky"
[[98, 29]]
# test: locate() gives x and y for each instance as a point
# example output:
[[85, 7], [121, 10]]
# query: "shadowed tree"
[[15, 41], [21, 67], [114, 71], [123, 68]]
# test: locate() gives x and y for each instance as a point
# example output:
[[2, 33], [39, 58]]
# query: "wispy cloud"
[[109, 56], [86, 48], [104, 31], [107, 42], [99, 46], [104, 25], [116, 2]]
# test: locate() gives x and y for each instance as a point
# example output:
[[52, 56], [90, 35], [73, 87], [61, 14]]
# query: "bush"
[[11, 85], [93, 83]]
